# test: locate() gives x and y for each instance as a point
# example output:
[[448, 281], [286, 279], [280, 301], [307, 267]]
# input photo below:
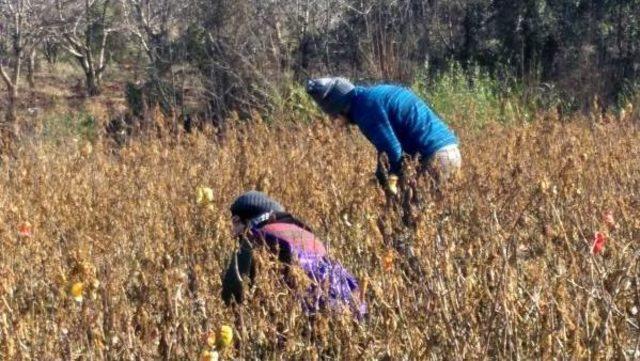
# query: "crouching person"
[[396, 121], [261, 222]]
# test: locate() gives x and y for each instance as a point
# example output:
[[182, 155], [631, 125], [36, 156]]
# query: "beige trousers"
[[445, 163]]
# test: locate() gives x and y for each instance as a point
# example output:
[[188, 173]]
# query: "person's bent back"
[[260, 222], [395, 120]]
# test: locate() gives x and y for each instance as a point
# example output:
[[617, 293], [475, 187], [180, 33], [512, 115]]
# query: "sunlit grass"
[[107, 253]]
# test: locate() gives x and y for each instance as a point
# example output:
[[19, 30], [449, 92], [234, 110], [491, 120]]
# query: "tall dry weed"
[[506, 250]]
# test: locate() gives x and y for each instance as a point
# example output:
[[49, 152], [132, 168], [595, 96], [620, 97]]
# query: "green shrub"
[[471, 98], [629, 100], [293, 103], [81, 125]]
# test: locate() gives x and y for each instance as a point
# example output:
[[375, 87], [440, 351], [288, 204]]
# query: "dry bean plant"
[[531, 253]]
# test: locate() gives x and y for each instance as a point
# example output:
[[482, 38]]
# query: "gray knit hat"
[[252, 204], [333, 95]]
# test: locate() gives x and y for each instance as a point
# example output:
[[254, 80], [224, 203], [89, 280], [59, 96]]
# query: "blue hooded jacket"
[[397, 121]]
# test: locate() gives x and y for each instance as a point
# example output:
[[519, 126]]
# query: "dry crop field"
[[510, 268]]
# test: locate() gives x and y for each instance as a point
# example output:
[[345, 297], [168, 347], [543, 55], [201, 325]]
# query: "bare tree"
[[85, 27], [51, 48], [156, 25], [19, 30]]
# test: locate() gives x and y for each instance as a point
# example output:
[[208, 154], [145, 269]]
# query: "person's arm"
[[377, 128], [241, 264]]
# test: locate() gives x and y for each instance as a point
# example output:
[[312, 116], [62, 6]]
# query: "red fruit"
[[24, 229], [387, 261], [599, 240]]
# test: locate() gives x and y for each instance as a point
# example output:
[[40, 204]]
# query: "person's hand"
[[389, 183], [392, 184]]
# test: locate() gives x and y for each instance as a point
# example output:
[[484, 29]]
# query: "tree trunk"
[[31, 68], [7, 128], [93, 85], [10, 115], [50, 52], [12, 85], [92, 78]]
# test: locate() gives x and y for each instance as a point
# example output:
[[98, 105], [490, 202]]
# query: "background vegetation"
[[509, 269], [201, 60]]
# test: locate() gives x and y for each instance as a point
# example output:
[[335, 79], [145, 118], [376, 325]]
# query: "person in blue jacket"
[[395, 120]]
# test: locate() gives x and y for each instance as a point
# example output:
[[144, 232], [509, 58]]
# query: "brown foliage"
[[505, 250]]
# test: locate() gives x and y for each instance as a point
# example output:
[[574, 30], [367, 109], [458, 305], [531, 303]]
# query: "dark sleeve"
[[241, 264], [381, 171], [384, 170]]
